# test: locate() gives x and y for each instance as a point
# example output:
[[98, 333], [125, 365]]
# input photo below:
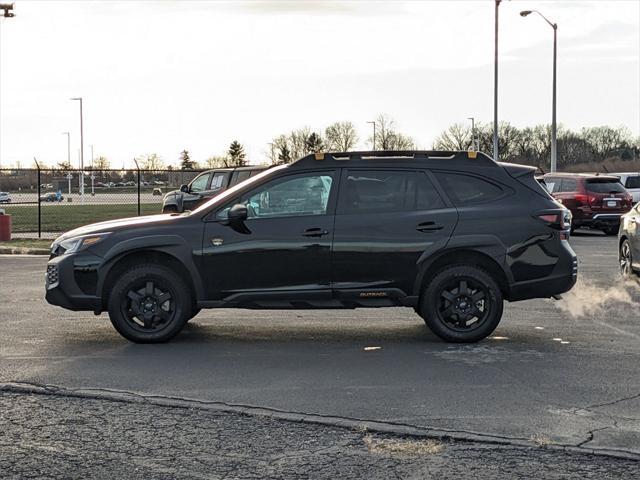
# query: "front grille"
[[53, 277]]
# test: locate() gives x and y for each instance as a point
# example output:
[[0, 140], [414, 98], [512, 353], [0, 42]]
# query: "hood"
[[119, 224]]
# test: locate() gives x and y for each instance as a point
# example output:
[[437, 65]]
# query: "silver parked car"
[[5, 197]]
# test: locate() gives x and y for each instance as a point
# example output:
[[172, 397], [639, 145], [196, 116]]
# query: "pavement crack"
[[591, 435], [613, 402]]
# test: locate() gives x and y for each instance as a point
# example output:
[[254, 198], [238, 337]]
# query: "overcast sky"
[[162, 76]]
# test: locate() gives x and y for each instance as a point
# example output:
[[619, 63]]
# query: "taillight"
[[558, 221], [585, 200]]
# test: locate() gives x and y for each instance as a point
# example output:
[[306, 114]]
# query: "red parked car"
[[596, 201]]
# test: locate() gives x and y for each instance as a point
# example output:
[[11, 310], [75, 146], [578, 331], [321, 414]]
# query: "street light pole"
[[68, 147], [554, 140], [81, 150], [7, 13], [473, 133], [374, 135]]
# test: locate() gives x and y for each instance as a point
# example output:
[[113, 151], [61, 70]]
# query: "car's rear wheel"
[[462, 303], [613, 230], [625, 258], [149, 304]]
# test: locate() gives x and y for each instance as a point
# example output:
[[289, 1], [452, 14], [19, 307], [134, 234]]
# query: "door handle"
[[429, 226], [314, 232]]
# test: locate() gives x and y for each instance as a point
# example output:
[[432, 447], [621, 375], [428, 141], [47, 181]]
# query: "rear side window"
[[604, 185], [467, 190], [379, 191], [240, 176], [218, 180], [632, 182], [569, 185]]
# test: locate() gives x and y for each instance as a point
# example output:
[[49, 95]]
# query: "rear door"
[[385, 221]]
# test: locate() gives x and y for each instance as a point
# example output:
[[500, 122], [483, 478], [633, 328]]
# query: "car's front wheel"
[[625, 258], [149, 304], [462, 303]]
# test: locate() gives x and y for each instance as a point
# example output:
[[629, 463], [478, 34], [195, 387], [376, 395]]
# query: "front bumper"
[[62, 282]]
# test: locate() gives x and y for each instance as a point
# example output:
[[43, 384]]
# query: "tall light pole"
[[81, 149], [374, 134], [68, 147], [7, 13], [495, 87], [473, 133], [554, 143]]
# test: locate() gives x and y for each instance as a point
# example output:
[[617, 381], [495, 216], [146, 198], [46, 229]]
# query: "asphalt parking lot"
[[560, 373]]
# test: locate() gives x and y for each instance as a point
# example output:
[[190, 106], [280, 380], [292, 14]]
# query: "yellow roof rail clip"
[[472, 153], [319, 155]]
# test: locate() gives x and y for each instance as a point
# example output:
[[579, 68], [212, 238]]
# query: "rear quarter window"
[[467, 189]]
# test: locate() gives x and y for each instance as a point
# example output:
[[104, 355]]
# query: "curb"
[[23, 251], [314, 419]]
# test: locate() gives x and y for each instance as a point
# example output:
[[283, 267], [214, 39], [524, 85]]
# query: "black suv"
[[450, 234], [205, 186]]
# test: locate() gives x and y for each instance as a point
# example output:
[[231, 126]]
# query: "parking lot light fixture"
[[374, 135], [81, 190], [554, 150]]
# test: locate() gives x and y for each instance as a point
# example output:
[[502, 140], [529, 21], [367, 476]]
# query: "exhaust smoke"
[[588, 299]]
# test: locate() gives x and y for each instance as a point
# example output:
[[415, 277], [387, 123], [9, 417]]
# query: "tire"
[[170, 209], [194, 311], [625, 259], [611, 231], [149, 304], [447, 309]]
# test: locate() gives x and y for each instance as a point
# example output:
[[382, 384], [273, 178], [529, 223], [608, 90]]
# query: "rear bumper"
[[561, 280], [599, 220]]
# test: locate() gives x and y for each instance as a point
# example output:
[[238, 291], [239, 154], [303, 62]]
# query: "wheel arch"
[[118, 264], [462, 256]]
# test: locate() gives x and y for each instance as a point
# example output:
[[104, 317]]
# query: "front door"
[[386, 221], [285, 251]]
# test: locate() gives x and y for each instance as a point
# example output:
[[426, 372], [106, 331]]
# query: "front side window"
[[200, 183], [378, 191], [298, 196], [468, 190]]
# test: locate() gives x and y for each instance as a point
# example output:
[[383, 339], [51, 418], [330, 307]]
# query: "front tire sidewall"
[[162, 276], [431, 297]]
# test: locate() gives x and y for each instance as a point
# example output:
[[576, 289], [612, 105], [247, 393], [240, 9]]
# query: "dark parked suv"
[[596, 201], [205, 186], [450, 234]]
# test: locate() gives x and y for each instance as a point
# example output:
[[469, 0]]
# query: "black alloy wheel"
[[462, 303], [149, 304]]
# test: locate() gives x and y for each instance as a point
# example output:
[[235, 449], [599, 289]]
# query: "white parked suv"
[[631, 181], [5, 197]]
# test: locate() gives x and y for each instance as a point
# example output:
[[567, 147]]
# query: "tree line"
[[530, 145]]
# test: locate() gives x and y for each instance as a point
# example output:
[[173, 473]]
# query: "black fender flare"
[[173, 245], [487, 245]]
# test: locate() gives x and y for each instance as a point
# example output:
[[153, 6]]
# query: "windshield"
[[232, 191]]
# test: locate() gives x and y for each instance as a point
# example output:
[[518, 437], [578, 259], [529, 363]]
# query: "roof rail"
[[399, 154]]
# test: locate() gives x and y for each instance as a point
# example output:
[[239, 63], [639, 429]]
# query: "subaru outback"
[[450, 234]]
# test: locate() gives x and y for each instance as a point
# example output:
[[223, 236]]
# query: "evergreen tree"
[[314, 143], [284, 155], [185, 161], [236, 154]]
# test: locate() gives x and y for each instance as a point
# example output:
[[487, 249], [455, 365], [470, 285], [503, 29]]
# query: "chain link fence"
[[45, 202]]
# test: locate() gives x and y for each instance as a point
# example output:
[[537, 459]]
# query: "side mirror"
[[236, 217], [184, 188]]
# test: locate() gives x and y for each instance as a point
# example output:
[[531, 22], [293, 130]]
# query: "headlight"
[[75, 244]]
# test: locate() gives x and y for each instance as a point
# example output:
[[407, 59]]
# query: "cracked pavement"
[[50, 436], [543, 374]]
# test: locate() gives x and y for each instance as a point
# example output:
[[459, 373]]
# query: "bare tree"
[[341, 137], [387, 138], [151, 161], [217, 161], [456, 137]]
